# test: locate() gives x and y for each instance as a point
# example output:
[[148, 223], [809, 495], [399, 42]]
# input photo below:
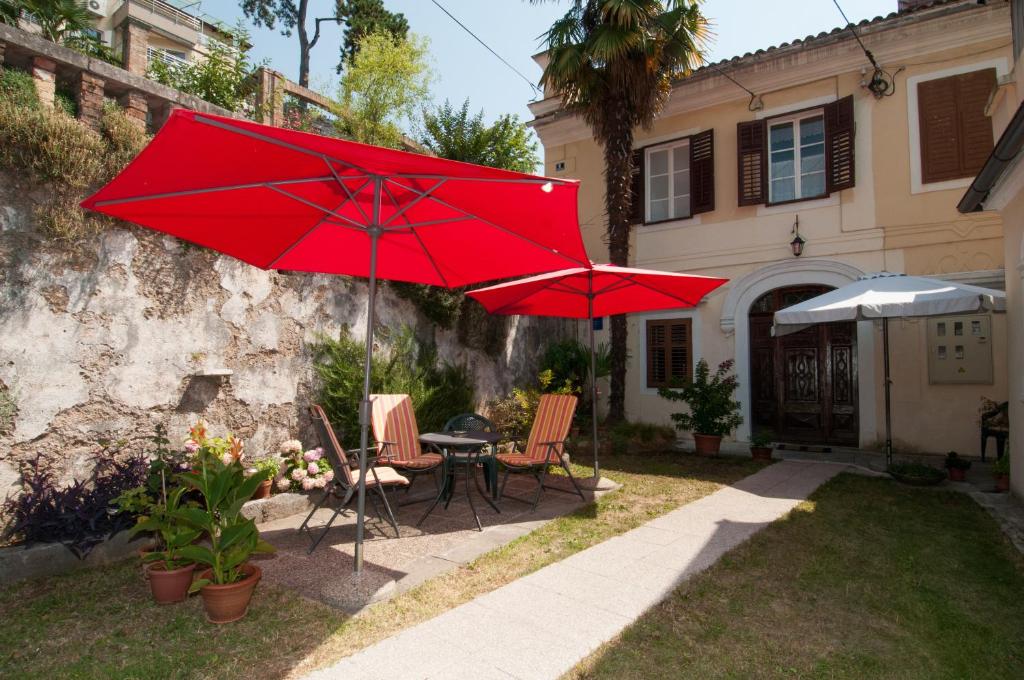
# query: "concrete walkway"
[[542, 625]]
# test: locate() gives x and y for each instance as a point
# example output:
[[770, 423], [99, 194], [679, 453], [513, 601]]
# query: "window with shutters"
[[801, 156], [674, 180], [796, 163], [668, 182], [956, 135], [669, 351]]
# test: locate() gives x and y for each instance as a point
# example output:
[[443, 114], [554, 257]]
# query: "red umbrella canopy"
[[616, 290], [283, 199]]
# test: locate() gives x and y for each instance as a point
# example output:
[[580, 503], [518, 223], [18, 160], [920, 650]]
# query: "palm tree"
[[612, 62], [60, 21]]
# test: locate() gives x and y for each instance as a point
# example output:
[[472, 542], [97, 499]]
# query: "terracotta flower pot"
[[761, 452], [957, 474], [263, 490], [707, 444], [227, 603], [171, 586], [1002, 482]]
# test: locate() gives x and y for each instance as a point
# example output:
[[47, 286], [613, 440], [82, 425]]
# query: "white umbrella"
[[884, 296]]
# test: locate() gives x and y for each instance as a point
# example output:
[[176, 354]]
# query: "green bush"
[[52, 148], [713, 411], [223, 78], [514, 412], [18, 89], [438, 390]]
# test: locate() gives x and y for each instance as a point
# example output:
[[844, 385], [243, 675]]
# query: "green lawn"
[[102, 624], [867, 578]]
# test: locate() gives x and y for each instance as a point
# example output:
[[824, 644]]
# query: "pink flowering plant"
[[199, 444], [304, 470]]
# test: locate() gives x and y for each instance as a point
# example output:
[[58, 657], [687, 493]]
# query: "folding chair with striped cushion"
[[546, 444], [398, 437], [346, 479]]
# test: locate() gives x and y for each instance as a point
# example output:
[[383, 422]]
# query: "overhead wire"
[[519, 73]]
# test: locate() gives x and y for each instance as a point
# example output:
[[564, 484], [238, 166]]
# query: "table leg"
[[445, 488]]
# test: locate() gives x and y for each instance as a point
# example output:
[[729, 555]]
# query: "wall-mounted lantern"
[[797, 244]]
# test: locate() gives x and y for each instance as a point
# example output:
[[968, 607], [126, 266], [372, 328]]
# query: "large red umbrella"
[[281, 199], [596, 290]]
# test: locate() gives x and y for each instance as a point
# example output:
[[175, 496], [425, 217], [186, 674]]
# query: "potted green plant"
[[713, 411], [1001, 471], [269, 467], [227, 584], [956, 466], [169, 572], [760, 446]]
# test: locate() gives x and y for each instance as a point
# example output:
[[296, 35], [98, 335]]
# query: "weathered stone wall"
[[105, 340]]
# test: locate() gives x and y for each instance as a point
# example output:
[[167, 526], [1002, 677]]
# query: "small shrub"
[[80, 515], [1002, 465], [627, 437], [55, 149], [713, 411], [18, 88], [955, 462], [405, 366], [514, 413]]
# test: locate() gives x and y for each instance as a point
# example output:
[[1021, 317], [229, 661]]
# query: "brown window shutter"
[[669, 352], [751, 148], [940, 144], [702, 172], [976, 141], [956, 135], [839, 147], [637, 187]]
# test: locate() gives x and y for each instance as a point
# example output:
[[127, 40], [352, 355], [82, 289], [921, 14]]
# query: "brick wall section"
[[89, 94], [3, 48], [270, 97], [134, 49], [162, 113], [44, 72], [135, 105]]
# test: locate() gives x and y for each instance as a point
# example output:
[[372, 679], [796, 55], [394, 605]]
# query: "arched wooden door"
[[803, 386]]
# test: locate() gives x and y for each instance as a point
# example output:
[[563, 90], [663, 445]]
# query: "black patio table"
[[461, 450]]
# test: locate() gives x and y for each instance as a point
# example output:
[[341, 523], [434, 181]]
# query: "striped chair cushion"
[[394, 421], [427, 460], [551, 424], [517, 460]]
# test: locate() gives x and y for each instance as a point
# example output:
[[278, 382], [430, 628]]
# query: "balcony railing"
[[157, 54], [171, 12]]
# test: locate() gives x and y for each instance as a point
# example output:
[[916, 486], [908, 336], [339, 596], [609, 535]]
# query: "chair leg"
[[319, 504], [387, 506], [540, 486], [340, 509], [504, 481], [565, 466]]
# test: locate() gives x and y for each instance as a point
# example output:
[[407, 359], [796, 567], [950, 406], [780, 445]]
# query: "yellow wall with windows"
[[883, 223]]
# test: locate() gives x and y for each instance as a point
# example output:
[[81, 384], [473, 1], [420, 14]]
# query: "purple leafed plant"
[[80, 515]]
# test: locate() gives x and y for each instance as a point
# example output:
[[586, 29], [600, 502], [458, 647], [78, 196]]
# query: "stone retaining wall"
[[105, 340]]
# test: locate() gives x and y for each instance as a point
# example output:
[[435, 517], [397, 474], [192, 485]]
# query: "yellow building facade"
[[899, 215]]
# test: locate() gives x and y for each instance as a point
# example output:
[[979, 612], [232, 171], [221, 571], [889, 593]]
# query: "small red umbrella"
[[596, 290], [281, 199]]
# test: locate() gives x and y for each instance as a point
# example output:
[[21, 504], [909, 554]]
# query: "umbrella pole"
[[888, 408], [593, 372], [365, 406]]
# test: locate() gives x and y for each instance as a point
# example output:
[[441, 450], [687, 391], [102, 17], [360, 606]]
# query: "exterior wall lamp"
[[797, 244]]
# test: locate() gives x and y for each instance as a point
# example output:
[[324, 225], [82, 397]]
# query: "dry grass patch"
[[101, 623], [867, 578]]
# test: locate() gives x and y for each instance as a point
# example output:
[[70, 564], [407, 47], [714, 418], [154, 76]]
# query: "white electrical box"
[[960, 349]]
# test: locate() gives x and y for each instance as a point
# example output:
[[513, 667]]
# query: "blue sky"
[[512, 27]]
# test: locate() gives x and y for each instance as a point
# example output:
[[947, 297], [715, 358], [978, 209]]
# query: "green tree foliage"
[[383, 87], [223, 78], [612, 63], [363, 18], [438, 389], [461, 136], [569, 363], [9, 12]]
